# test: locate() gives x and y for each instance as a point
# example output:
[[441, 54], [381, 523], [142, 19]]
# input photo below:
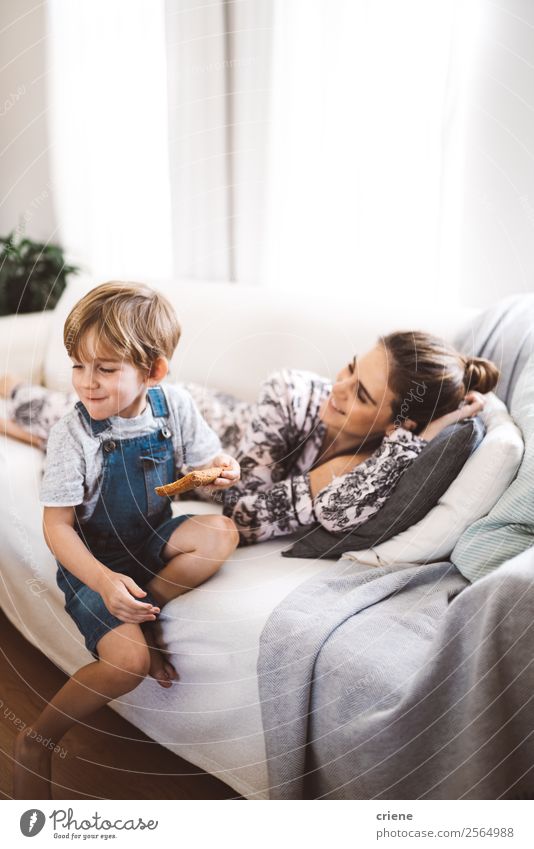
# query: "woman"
[[315, 452]]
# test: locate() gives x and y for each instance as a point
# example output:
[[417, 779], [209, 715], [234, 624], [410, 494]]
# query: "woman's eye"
[[76, 367], [362, 397], [352, 365]]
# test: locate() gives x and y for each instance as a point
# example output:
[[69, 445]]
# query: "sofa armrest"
[[23, 340]]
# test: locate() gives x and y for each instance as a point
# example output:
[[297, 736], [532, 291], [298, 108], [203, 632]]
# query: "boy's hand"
[[118, 593], [229, 476]]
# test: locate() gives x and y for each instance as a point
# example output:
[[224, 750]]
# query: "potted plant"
[[32, 275]]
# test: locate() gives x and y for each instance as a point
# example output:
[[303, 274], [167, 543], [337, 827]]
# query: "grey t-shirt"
[[74, 457]]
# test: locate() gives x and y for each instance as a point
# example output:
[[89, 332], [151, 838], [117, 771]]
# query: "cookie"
[[199, 477]]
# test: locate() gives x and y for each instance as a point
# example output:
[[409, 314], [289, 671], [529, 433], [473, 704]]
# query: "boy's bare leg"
[[195, 551], [124, 662], [126, 655]]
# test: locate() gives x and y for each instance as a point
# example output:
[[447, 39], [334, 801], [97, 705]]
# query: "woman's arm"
[[260, 514], [322, 479], [323, 475], [267, 444], [355, 496], [345, 502]]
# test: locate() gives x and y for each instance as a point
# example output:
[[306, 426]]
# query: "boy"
[[121, 555]]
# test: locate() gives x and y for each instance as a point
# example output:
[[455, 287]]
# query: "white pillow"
[[482, 481]]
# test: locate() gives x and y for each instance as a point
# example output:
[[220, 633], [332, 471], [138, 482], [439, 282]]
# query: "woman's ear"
[[158, 371]]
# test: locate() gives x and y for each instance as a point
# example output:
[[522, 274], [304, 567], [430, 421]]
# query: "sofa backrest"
[[234, 335]]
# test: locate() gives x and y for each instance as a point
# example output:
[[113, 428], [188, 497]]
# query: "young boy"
[[121, 555]]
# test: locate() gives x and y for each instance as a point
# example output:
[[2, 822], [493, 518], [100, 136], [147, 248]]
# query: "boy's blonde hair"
[[130, 319]]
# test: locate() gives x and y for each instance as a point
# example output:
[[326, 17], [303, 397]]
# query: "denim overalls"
[[130, 524]]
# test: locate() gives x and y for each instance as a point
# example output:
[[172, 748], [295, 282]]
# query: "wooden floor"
[[107, 758]]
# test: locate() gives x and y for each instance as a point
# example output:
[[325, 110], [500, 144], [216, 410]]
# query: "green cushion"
[[508, 529]]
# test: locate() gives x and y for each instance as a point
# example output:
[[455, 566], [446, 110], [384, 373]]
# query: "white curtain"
[[219, 57], [310, 144], [109, 131], [360, 117]]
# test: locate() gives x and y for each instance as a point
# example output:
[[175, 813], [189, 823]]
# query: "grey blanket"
[[402, 683]]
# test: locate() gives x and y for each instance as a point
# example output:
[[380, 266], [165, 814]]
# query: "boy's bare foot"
[[31, 767], [8, 383], [160, 666]]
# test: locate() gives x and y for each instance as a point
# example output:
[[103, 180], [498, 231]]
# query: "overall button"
[[164, 433], [109, 446]]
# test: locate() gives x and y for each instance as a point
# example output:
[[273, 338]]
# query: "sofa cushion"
[[418, 490], [508, 529]]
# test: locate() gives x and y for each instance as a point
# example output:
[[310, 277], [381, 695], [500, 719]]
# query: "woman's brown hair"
[[429, 378]]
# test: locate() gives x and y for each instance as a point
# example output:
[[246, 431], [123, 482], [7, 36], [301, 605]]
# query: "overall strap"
[[96, 426], [158, 402]]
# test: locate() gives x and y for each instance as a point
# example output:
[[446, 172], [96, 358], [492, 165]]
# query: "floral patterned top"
[[278, 442]]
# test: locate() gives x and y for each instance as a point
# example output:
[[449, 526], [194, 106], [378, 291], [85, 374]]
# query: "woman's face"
[[359, 405]]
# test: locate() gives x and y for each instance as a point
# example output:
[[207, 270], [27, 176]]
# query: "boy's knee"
[[130, 663], [226, 535], [135, 666]]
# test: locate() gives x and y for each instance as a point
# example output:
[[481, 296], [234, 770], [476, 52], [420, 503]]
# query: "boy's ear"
[[158, 370]]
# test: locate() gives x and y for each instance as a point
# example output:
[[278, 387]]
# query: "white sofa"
[[233, 337]]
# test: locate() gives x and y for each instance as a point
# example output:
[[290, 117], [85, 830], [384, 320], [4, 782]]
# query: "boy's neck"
[[137, 406]]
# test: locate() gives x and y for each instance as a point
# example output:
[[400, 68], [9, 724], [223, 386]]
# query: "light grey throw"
[[402, 683]]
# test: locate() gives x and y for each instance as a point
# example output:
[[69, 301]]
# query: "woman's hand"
[[120, 594], [471, 406], [229, 476]]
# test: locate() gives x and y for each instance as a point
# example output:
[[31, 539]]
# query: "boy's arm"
[[68, 548], [117, 590], [199, 441]]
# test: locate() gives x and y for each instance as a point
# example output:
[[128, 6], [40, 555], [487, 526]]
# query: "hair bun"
[[480, 375]]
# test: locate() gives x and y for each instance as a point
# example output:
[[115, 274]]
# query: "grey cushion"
[[418, 490]]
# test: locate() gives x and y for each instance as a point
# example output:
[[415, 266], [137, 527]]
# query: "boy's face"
[[106, 384]]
